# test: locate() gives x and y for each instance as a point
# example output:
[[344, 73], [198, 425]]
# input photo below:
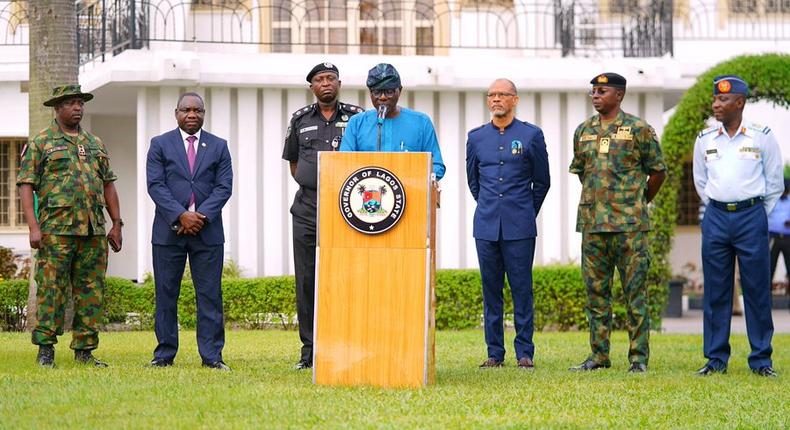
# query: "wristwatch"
[[119, 221]]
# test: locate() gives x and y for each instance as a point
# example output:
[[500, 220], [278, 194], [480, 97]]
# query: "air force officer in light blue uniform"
[[738, 176]]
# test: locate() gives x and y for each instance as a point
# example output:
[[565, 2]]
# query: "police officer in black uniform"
[[317, 127]]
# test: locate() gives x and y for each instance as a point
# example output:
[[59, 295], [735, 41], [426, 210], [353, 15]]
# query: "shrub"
[[559, 294], [13, 300]]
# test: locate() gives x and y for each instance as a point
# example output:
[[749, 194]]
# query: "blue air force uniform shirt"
[[734, 169], [508, 176], [410, 131]]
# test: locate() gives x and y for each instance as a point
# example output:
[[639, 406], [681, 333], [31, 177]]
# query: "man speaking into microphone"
[[389, 127]]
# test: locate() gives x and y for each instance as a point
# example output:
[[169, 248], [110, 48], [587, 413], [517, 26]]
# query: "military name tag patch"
[[341, 124], [306, 129], [588, 137], [372, 200], [56, 148]]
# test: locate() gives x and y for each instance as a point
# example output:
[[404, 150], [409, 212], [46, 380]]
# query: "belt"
[[736, 206]]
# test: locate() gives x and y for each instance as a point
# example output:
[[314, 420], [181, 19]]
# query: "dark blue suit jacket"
[[508, 175], [170, 185]]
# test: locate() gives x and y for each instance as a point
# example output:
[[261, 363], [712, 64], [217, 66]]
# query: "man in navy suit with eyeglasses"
[[189, 179]]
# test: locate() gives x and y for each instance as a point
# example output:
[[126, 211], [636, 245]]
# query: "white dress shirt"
[[184, 140], [732, 169]]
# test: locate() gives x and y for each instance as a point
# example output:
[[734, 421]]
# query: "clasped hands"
[[191, 223]]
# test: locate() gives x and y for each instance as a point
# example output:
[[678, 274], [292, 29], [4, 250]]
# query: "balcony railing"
[[597, 28]]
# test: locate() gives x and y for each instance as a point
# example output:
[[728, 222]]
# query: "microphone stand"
[[382, 113]]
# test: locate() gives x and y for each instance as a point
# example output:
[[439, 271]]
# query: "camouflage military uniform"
[[68, 174], [614, 164]]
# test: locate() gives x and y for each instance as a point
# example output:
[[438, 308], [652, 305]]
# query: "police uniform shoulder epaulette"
[[707, 131], [759, 128], [351, 108], [302, 111]]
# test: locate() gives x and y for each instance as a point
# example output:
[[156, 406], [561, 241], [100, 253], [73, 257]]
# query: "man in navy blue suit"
[[507, 168], [189, 179]]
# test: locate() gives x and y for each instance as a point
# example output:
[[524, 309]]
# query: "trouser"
[[601, 254], [725, 236], [76, 263], [304, 268], [205, 263], [497, 258], [780, 244]]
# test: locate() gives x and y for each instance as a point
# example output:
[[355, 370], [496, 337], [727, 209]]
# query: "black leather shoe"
[[526, 363], [638, 368], [85, 356], [588, 365], [160, 362], [766, 371], [46, 356], [491, 362], [302, 365], [708, 370], [219, 365]]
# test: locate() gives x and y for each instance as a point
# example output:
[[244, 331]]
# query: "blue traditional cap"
[[383, 77], [730, 84], [320, 68], [608, 80]]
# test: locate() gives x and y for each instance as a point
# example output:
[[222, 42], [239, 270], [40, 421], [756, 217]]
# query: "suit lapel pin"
[[203, 144]]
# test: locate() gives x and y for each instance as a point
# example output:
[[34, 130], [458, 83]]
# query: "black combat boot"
[[84, 356], [46, 356]]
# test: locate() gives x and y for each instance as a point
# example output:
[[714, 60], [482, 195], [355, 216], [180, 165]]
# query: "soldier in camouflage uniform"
[[314, 128], [620, 166], [69, 170]]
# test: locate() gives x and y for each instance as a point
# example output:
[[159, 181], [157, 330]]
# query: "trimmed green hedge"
[[559, 293]]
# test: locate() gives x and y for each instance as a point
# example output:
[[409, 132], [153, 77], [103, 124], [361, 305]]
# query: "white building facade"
[[249, 59]]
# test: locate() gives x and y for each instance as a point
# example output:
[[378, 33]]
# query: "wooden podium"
[[375, 274]]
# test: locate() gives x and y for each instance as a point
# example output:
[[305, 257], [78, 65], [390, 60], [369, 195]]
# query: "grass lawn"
[[263, 391]]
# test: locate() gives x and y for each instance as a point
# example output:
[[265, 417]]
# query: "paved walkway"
[[691, 323]]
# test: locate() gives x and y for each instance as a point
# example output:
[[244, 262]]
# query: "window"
[[378, 27], [688, 200], [11, 215], [756, 7]]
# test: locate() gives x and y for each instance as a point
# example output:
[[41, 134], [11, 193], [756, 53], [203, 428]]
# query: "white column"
[[576, 114], [453, 148], [148, 126], [549, 229], [219, 112], [423, 102], [475, 115], [272, 187], [630, 103], [246, 191], [654, 112]]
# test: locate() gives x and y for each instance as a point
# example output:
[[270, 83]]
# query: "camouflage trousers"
[[601, 254], [76, 263]]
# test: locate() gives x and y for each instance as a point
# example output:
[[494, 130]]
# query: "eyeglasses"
[[499, 95], [379, 93], [185, 111]]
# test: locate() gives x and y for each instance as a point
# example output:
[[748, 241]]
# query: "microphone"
[[382, 113]]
